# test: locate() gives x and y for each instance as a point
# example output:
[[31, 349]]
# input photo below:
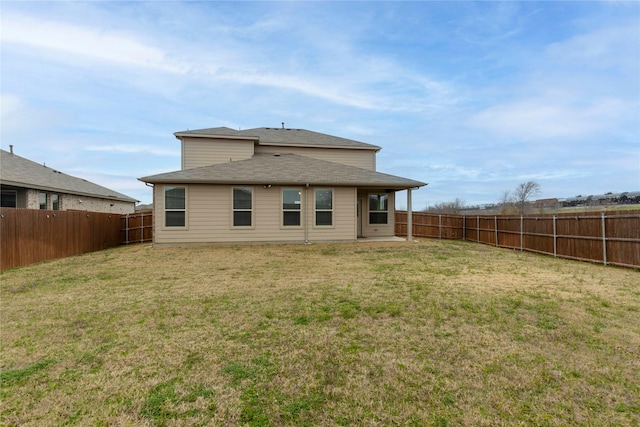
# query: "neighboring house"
[[273, 185], [30, 185]]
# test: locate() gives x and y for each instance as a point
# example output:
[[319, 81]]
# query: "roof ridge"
[[283, 136]]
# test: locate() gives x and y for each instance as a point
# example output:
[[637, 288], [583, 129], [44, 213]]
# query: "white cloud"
[[489, 23], [10, 104], [602, 48], [133, 149], [18, 115], [578, 87], [547, 118], [352, 78], [99, 44]]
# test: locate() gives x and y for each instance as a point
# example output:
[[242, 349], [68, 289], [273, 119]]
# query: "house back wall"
[[209, 217]]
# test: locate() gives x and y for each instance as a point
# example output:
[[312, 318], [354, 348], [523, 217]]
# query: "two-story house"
[[273, 185]]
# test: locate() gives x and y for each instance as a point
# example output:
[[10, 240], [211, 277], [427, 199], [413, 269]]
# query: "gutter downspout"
[[306, 218], [153, 213]]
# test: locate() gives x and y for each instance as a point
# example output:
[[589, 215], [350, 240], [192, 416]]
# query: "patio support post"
[[409, 217]]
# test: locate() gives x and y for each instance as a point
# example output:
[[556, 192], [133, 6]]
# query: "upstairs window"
[[378, 208], [175, 214], [324, 207], [291, 201], [242, 206]]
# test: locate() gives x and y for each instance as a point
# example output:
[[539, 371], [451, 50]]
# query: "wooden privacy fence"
[[607, 238], [28, 236]]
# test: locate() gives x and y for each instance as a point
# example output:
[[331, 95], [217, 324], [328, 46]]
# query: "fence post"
[[409, 217], [439, 226], [464, 227], [521, 233], [555, 239], [495, 226], [142, 228], [604, 240], [126, 229]]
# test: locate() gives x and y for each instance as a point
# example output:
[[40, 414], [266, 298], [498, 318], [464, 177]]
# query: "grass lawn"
[[440, 333]]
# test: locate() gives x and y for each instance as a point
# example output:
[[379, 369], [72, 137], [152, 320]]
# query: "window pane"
[[241, 198], [323, 218], [291, 218], [377, 218], [55, 202], [174, 197], [242, 219], [174, 219], [378, 202], [9, 199], [43, 200], [290, 199], [324, 199]]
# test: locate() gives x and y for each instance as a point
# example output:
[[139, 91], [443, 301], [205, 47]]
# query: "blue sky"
[[471, 97]]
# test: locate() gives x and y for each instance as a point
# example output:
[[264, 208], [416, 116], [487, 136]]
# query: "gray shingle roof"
[[21, 172], [284, 169], [279, 136]]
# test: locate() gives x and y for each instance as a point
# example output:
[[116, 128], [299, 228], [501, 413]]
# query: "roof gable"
[[22, 172], [284, 169], [281, 137]]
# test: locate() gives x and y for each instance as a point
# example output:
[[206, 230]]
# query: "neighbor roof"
[[281, 137], [284, 169], [20, 172]]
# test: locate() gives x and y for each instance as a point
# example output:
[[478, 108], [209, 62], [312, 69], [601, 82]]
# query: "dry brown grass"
[[431, 333]]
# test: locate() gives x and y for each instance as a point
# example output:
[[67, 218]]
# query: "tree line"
[[510, 202]]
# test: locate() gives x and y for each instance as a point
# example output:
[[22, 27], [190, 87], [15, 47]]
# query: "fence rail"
[[607, 238]]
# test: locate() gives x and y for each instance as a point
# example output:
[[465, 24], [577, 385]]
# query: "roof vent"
[[276, 154]]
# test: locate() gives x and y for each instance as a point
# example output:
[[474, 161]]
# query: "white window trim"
[[283, 210], [332, 210], [252, 210], [185, 210]]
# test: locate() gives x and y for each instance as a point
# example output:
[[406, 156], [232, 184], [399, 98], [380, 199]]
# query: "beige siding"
[[344, 216], [365, 159], [197, 152], [209, 217], [377, 230]]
